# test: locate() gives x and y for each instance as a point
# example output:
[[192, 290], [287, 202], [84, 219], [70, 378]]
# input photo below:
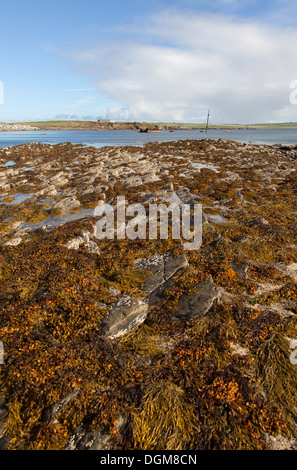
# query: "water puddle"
[[199, 166], [50, 223], [18, 198]]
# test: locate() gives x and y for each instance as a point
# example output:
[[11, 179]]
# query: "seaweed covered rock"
[[162, 267], [124, 315], [66, 204], [86, 439], [199, 303]]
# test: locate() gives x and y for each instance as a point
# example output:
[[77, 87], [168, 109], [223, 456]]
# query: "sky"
[[157, 60]]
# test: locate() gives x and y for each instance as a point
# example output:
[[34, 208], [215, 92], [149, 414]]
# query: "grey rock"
[[53, 410], [89, 440], [60, 180], [216, 219], [163, 268], [83, 238], [75, 243], [88, 189], [185, 196], [69, 192], [100, 304], [124, 315], [92, 247], [133, 181], [280, 442], [172, 265], [85, 234], [66, 204], [23, 231], [17, 127], [5, 442], [13, 241], [241, 269], [204, 218], [199, 303], [261, 221], [150, 177], [146, 197], [114, 291], [84, 439]]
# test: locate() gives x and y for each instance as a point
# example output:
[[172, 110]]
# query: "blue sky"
[[148, 61]]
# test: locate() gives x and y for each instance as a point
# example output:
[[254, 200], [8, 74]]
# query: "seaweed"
[[221, 381], [166, 420]]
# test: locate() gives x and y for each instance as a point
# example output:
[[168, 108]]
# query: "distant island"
[[105, 124]]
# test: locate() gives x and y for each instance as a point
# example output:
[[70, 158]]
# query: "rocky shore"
[[17, 127], [139, 343]]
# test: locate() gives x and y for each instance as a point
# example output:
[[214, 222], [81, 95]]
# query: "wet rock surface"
[[199, 303], [95, 330], [162, 268], [124, 315]]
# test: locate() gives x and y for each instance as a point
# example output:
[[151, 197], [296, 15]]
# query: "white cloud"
[[79, 105], [183, 64]]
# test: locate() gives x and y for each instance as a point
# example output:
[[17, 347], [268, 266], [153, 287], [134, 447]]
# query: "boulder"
[[74, 243], [133, 181], [163, 267], [84, 439], [83, 238], [92, 247], [53, 410], [216, 219], [66, 204], [124, 315], [185, 196], [13, 241], [199, 303]]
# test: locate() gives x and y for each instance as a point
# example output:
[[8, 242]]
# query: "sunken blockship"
[[136, 342]]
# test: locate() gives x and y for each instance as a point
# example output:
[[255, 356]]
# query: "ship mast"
[[207, 122]]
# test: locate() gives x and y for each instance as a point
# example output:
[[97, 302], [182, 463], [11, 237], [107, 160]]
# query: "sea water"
[[134, 138]]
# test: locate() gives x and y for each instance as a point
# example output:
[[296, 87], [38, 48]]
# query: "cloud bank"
[[174, 67]]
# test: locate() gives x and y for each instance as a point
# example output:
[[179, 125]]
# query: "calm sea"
[[121, 138]]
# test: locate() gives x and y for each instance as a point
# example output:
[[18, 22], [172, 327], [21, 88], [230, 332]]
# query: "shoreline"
[[141, 127]]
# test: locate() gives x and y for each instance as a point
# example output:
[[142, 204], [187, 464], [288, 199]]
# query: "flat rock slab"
[[216, 219], [162, 267], [53, 410], [127, 312], [85, 439], [199, 303], [89, 440], [67, 204], [124, 315]]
